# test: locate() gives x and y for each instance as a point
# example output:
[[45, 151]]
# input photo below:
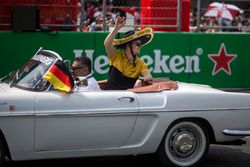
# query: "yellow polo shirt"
[[122, 73]]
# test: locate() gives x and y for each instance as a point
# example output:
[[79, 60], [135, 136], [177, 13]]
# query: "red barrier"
[[164, 13]]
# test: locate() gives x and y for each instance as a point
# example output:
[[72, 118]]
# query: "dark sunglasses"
[[76, 68], [138, 43]]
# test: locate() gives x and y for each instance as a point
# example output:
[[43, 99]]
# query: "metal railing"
[[161, 15], [130, 10], [158, 14]]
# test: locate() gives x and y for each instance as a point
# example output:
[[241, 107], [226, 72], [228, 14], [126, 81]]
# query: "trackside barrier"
[[219, 60]]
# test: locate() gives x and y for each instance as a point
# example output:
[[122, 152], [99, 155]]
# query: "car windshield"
[[30, 75]]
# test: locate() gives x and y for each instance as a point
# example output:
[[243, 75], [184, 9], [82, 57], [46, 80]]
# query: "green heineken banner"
[[220, 60]]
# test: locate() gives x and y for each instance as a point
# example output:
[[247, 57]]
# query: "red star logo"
[[222, 60]]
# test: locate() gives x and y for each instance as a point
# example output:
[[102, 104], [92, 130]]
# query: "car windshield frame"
[[30, 75]]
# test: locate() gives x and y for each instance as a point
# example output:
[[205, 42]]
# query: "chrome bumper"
[[230, 132]]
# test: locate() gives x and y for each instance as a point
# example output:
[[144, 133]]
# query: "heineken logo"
[[222, 60], [157, 63], [160, 62], [163, 63]]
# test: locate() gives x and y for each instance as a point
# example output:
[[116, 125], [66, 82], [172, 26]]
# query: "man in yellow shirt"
[[126, 69]]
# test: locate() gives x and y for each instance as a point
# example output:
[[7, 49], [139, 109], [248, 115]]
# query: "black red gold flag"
[[60, 77]]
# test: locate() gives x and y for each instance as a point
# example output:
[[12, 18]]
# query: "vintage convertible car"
[[175, 120]]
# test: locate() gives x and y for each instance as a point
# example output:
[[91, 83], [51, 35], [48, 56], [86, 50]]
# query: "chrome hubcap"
[[183, 143]]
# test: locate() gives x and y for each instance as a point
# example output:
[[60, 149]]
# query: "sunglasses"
[[138, 43], [76, 68]]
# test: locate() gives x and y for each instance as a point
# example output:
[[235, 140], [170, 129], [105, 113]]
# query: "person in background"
[[126, 69], [81, 71], [212, 24]]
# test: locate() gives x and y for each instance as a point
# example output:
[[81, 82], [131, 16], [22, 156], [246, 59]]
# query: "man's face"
[[136, 45], [77, 69]]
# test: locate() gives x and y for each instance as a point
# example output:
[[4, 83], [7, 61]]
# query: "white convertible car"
[[175, 120]]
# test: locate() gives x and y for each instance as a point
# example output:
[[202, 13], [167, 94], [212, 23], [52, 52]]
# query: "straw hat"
[[145, 36]]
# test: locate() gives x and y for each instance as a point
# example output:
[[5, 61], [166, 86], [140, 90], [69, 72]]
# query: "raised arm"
[[119, 23]]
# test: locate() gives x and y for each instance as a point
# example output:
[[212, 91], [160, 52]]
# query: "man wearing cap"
[[126, 69]]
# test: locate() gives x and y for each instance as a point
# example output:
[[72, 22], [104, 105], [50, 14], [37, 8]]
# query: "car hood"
[[4, 87]]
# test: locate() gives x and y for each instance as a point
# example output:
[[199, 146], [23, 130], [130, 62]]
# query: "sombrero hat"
[[145, 36]]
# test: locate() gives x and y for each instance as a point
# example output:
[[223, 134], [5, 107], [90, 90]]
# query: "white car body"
[[54, 124]]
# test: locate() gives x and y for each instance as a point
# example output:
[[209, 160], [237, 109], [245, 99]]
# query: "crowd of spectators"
[[90, 19], [90, 16], [240, 23]]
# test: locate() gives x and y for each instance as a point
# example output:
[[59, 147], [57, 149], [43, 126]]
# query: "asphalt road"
[[218, 156]]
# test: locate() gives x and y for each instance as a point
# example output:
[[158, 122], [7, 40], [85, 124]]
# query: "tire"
[[185, 144], [2, 154]]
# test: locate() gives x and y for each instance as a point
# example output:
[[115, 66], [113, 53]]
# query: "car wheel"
[[185, 144], [2, 155]]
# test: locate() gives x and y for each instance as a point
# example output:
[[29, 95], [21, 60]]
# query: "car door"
[[84, 120]]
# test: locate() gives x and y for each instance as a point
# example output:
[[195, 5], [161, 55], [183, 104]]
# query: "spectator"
[[246, 26], [85, 27], [96, 25], [212, 23]]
